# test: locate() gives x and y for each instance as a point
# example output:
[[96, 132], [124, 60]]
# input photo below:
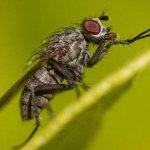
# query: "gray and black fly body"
[[63, 58]]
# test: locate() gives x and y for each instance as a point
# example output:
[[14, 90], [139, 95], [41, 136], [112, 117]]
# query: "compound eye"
[[91, 26]]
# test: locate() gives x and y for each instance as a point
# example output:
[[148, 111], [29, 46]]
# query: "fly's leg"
[[84, 86], [69, 74], [130, 41], [63, 70], [138, 37], [31, 135], [52, 87], [98, 54], [36, 115], [40, 89], [103, 48], [34, 106]]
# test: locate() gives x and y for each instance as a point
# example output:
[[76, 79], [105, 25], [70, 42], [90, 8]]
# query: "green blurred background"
[[25, 24]]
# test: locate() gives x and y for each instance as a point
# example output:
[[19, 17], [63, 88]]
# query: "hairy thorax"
[[70, 48]]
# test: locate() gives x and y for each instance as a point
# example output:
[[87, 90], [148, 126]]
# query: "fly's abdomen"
[[30, 107], [33, 103]]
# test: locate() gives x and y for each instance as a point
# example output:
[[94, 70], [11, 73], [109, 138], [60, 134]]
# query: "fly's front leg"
[[98, 54], [103, 48], [141, 35]]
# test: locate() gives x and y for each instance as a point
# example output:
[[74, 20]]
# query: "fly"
[[63, 57]]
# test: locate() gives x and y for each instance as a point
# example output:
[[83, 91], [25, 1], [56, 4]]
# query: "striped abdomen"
[[32, 107]]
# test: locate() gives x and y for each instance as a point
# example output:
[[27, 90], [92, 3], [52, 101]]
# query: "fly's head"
[[94, 31]]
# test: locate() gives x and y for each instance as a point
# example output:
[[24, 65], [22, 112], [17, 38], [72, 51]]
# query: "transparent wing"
[[11, 91], [35, 57], [39, 51], [44, 47]]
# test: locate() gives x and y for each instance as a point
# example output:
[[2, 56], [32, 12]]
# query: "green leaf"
[[75, 126]]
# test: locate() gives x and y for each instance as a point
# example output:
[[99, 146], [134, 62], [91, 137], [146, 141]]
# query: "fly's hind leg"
[[33, 132], [52, 88], [36, 114], [31, 112], [43, 89]]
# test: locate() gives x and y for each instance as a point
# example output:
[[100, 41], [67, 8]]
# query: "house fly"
[[63, 57]]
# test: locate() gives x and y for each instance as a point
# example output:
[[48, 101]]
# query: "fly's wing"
[[36, 57], [40, 55], [6, 97], [39, 51]]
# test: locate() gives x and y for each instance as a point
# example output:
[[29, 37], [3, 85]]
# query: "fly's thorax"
[[69, 47]]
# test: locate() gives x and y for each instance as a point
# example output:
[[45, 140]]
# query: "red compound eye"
[[91, 26]]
